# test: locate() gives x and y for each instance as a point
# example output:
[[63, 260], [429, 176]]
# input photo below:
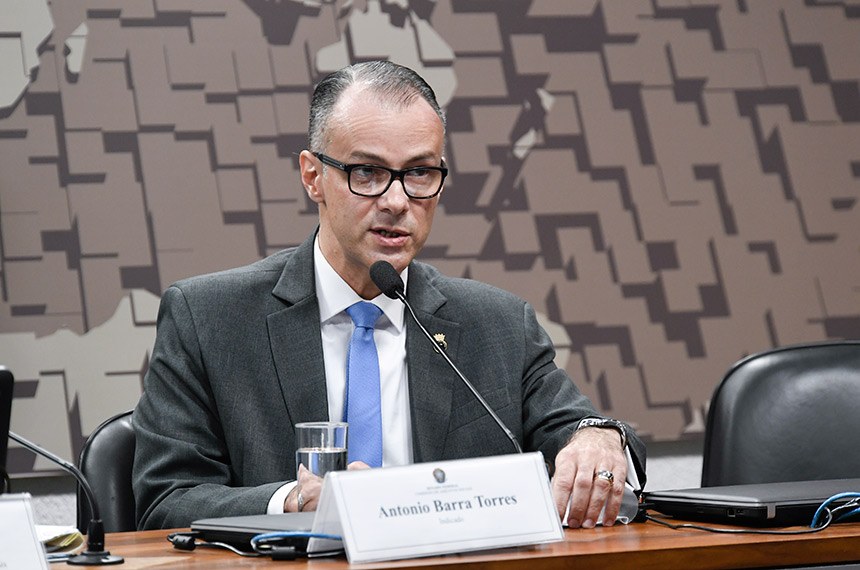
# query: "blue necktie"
[[363, 410]]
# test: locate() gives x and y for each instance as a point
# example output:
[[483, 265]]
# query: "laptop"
[[771, 504], [238, 531], [6, 383]]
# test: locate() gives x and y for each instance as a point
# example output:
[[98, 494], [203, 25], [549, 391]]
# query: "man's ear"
[[311, 171]]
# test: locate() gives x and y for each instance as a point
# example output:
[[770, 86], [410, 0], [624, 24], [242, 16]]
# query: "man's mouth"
[[389, 233]]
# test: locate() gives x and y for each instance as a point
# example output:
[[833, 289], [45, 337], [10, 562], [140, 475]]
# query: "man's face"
[[356, 231]]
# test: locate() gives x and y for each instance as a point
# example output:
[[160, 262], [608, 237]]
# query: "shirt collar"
[[334, 295]]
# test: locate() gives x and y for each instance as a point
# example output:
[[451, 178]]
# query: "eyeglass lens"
[[371, 181]]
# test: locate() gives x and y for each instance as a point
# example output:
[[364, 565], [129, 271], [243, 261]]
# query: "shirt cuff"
[[632, 477], [276, 503]]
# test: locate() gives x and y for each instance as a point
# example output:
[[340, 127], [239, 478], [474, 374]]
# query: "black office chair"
[[106, 462], [788, 414]]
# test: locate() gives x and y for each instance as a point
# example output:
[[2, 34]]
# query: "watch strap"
[[606, 423]]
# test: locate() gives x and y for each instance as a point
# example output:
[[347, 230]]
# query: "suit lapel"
[[295, 340], [296, 344], [430, 378]]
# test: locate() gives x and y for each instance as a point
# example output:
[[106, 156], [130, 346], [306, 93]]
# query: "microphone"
[[95, 553], [389, 282]]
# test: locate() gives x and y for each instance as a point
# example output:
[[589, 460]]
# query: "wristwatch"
[[605, 423]]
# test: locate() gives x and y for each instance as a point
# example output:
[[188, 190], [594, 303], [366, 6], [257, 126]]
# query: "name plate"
[[438, 508], [19, 544]]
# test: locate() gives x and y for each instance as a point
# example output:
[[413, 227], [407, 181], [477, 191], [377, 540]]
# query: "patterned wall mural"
[[672, 184]]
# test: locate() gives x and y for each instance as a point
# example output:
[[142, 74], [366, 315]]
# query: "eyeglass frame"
[[395, 175]]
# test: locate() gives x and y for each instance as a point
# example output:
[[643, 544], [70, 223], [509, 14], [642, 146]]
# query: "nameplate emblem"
[[438, 508]]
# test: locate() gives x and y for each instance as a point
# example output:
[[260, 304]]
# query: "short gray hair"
[[393, 82]]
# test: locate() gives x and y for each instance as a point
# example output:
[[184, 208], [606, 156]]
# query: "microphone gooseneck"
[[95, 553], [386, 278]]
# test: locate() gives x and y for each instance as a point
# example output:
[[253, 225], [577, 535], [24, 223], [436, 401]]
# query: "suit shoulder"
[[469, 291]]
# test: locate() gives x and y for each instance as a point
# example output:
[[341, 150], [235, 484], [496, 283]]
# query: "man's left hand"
[[590, 451]]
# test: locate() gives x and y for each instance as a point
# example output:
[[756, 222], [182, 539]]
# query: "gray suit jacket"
[[238, 360]]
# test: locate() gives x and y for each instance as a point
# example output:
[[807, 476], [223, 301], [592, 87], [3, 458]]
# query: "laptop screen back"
[[6, 382], [239, 530], [770, 504]]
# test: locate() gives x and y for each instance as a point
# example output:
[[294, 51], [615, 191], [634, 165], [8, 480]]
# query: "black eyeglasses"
[[372, 180]]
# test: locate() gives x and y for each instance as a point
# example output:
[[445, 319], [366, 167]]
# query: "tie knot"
[[364, 314]]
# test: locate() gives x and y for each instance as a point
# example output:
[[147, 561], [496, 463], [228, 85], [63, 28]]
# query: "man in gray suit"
[[243, 355]]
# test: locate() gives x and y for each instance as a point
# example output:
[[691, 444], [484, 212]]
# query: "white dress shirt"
[[334, 295]]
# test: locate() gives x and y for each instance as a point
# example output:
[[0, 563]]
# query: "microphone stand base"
[[87, 558]]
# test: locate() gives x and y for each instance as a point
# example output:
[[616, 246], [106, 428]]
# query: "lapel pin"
[[440, 340]]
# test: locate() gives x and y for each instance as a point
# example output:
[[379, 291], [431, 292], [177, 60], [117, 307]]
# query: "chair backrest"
[[789, 414], [106, 462]]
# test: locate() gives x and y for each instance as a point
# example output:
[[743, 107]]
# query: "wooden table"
[[640, 546]]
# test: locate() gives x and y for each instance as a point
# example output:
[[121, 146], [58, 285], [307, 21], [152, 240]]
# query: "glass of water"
[[321, 446]]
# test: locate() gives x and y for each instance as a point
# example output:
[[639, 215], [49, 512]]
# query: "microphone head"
[[386, 278]]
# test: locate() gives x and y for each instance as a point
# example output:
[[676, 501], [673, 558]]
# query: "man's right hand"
[[309, 486]]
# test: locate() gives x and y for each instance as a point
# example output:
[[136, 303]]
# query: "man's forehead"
[[369, 99], [360, 112]]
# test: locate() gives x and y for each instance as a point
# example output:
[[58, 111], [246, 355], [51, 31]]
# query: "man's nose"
[[395, 198]]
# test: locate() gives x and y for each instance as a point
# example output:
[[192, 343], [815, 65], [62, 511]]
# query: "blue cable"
[[825, 507], [273, 536]]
